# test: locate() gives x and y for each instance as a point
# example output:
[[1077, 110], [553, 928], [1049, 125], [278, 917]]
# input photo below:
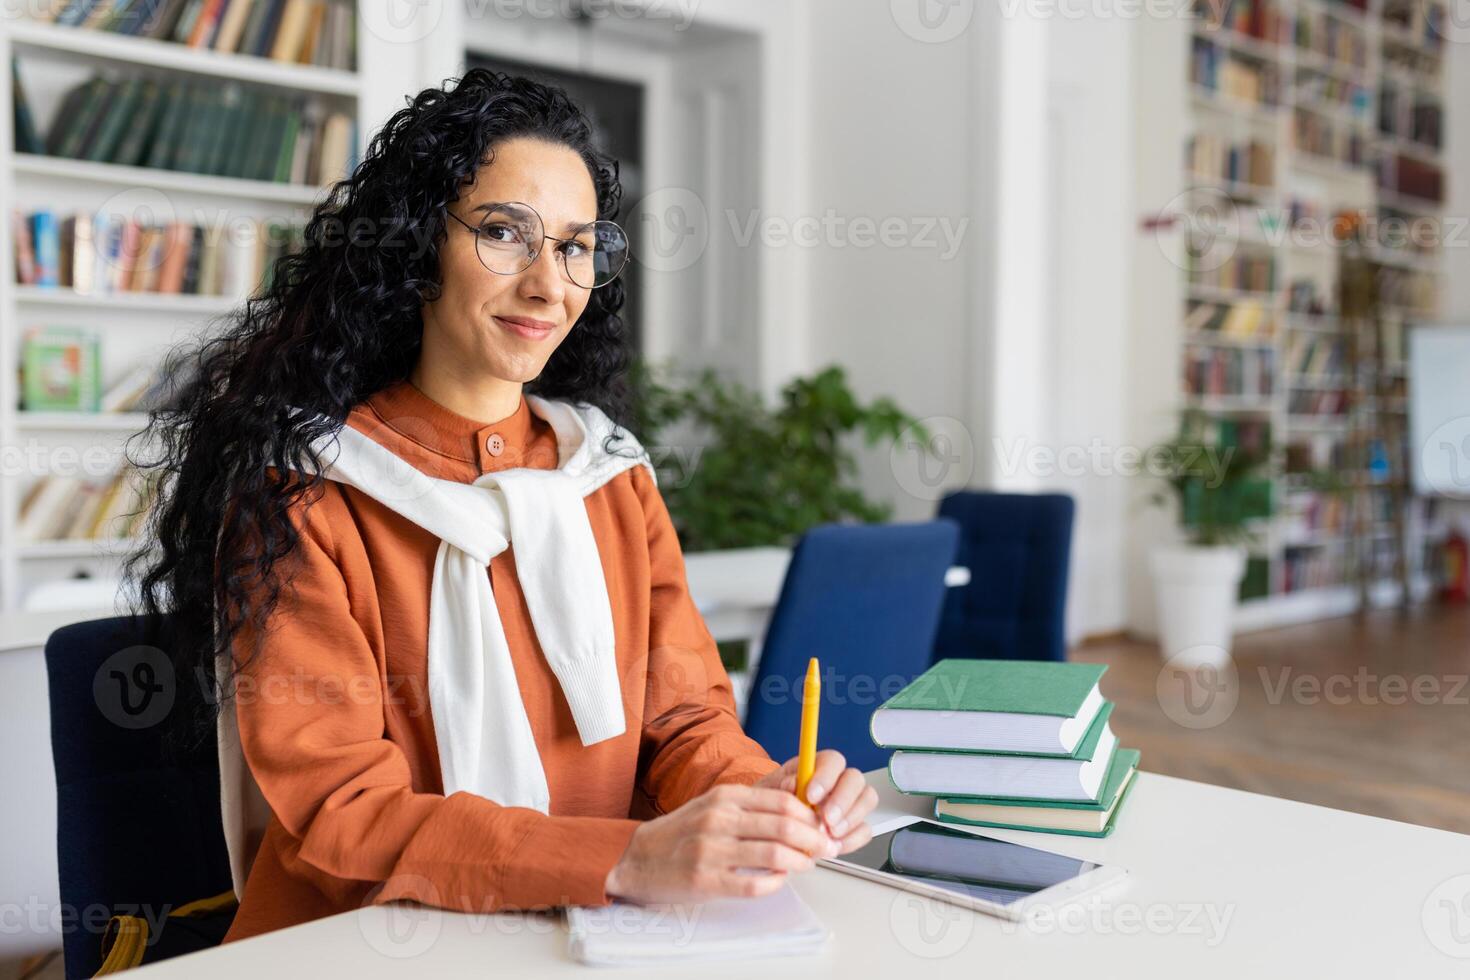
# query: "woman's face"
[[507, 326]]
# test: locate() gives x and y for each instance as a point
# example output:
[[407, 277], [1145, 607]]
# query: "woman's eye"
[[574, 248], [497, 232]]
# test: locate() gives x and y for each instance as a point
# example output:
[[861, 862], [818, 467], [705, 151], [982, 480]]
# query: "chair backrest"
[[1017, 547], [865, 599], [135, 834]]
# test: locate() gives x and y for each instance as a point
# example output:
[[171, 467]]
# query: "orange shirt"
[[334, 717]]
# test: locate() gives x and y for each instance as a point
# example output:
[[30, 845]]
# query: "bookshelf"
[[135, 327], [1298, 111]]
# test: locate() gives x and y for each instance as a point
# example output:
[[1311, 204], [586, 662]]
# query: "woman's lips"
[[528, 328]]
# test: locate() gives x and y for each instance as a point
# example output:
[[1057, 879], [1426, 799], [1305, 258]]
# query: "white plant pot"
[[1196, 589]]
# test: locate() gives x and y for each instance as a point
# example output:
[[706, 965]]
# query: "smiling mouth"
[[529, 329]]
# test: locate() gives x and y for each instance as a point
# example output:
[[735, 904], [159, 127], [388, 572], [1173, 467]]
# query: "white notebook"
[[622, 934]]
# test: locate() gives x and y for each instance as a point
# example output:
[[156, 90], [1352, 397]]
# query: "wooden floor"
[[1370, 714]]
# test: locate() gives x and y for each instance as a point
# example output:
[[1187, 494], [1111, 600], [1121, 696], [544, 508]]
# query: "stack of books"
[[1005, 743]]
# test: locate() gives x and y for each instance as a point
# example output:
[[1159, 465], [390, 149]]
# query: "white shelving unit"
[[1334, 87], [134, 327]]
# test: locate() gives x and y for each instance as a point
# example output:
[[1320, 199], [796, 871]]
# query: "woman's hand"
[[840, 794], [693, 853]]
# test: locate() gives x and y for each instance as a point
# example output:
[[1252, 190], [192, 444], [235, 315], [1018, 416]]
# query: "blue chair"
[[865, 599], [1017, 548], [135, 834]]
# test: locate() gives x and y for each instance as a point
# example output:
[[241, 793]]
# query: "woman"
[[456, 304]]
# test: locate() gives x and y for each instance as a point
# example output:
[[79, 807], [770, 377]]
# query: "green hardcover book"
[[113, 124], [66, 115], [1060, 817], [1012, 775], [244, 148], [150, 106], [1024, 706], [81, 126], [287, 154], [226, 130], [164, 151], [267, 139], [194, 140]]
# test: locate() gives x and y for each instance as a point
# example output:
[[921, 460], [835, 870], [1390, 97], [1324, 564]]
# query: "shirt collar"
[[519, 439]]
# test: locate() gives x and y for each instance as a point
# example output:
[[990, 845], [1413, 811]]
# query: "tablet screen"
[[970, 864]]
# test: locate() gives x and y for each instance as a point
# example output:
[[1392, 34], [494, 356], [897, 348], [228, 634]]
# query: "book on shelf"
[[221, 129], [60, 370], [98, 254], [1034, 707], [1242, 319], [946, 772], [1085, 819], [307, 32], [70, 508]]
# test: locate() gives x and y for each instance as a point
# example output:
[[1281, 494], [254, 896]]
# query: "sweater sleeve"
[[311, 716], [692, 738]]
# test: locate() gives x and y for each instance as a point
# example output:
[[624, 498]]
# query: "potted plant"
[[761, 475], [1215, 469]]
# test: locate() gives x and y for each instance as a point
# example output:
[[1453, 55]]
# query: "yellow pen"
[[806, 753]]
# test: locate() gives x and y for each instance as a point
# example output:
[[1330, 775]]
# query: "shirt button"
[[495, 444]]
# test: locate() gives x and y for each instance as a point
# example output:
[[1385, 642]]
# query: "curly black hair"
[[340, 320]]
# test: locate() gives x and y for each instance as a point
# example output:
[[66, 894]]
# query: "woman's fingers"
[[837, 808], [830, 764], [769, 855], [755, 825], [764, 799], [855, 838]]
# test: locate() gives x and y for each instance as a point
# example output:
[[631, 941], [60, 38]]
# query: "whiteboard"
[[1439, 410]]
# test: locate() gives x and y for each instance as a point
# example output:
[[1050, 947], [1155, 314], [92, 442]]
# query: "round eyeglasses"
[[509, 236]]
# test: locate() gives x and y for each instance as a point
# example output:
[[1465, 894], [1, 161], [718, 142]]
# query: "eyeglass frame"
[[566, 274]]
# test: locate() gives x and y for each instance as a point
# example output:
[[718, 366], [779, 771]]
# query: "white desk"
[[1224, 884]]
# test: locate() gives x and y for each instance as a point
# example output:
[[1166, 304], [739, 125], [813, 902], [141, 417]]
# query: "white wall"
[[1020, 127]]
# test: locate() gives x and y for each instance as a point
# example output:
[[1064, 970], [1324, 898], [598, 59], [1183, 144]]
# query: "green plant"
[[762, 476], [1216, 478]]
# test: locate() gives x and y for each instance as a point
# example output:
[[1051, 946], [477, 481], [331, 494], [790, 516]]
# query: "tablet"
[[954, 864]]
